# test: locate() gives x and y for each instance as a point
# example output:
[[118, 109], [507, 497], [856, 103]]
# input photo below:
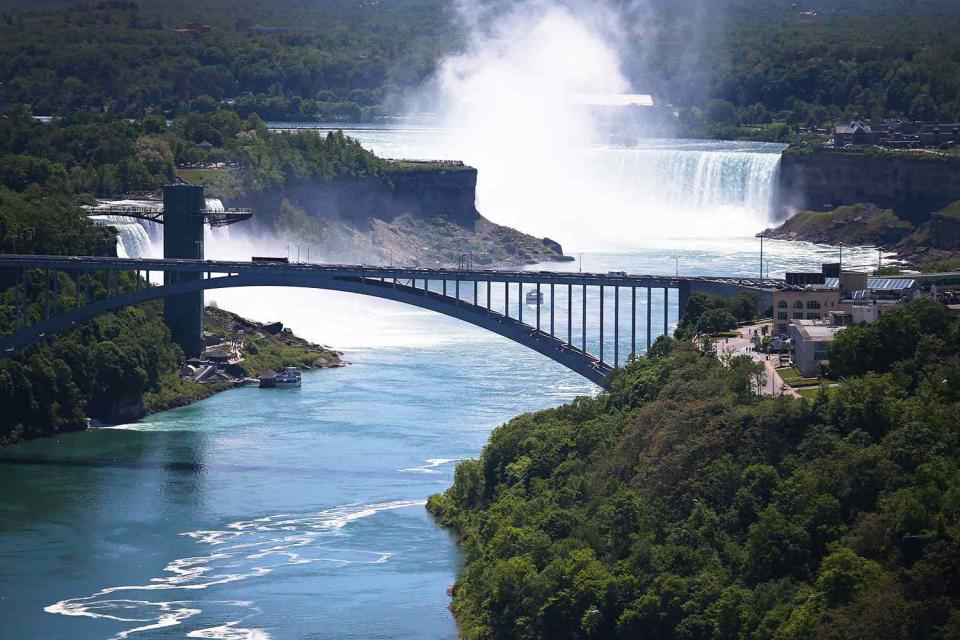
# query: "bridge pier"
[[683, 295], [183, 218]]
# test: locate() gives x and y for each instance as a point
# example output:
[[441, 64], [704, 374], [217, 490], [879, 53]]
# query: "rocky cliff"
[[415, 213], [911, 183]]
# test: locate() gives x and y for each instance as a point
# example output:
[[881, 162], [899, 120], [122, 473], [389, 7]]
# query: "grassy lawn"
[[793, 377], [810, 393], [198, 176]]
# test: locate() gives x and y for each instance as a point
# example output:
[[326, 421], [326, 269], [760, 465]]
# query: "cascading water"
[[136, 238], [211, 235], [144, 239], [703, 180], [133, 241]]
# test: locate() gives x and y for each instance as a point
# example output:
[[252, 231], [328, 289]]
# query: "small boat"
[[288, 378], [534, 297]]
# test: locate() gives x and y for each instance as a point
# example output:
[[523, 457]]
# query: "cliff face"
[[416, 213], [859, 224], [945, 228], [421, 190], [913, 185]]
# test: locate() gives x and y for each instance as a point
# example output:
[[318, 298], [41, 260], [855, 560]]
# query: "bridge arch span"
[[556, 349]]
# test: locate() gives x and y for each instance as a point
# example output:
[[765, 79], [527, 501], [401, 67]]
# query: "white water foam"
[[242, 550], [431, 465]]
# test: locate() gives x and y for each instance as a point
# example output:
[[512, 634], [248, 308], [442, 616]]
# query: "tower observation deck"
[[183, 214], [215, 218]]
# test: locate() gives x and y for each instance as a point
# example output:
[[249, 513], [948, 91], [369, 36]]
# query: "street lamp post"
[[761, 257]]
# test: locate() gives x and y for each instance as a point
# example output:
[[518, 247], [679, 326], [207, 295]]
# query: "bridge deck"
[[88, 263]]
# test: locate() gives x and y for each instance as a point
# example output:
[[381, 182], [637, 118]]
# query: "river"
[[299, 513]]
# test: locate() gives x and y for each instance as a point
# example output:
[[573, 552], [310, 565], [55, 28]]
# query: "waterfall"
[[701, 181], [214, 234], [623, 197], [133, 241], [603, 196], [135, 238]]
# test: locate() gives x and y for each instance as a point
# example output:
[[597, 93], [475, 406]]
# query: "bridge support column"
[[16, 297], [666, 310], [683, 292], [601, 324], [183, 211], [649, 319], [46, 294], [552, 305], [616, 327], [583, 323]]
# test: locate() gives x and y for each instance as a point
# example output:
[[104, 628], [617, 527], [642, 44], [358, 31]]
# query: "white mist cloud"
[[508, 105]]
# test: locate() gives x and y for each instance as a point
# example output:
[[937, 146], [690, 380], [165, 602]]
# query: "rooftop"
[[815, 330], [877, 284]]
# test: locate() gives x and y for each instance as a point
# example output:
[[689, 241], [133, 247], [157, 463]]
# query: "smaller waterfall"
[[215, 234], [133, 241]]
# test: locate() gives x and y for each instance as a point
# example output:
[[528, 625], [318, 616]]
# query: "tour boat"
[[534, 297], [289, 378]]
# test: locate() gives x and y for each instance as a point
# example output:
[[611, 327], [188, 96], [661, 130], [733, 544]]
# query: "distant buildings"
[[818, 305], [811, 340], [897, 134], [194, 30], [838, 298]]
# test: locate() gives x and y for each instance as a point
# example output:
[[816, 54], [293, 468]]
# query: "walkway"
[[741, 345]]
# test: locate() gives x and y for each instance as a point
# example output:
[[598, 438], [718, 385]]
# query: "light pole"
[[580, 262], [677, 260], [761, 255], [298, 252], [768, 270]]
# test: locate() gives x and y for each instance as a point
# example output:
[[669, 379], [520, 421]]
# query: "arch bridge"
[[588, 322]]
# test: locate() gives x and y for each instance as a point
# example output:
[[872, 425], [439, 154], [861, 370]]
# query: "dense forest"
[[682, 506], [331, 59], [736, 68]]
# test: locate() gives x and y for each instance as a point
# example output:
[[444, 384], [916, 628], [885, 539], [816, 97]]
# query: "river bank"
[[238, 351], [122, 366], [931, 246]]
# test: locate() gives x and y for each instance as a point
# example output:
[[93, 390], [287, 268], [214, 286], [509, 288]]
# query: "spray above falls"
[[511, 105]]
